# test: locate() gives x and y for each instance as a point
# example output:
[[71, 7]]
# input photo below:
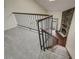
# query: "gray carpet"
[[21, 43]]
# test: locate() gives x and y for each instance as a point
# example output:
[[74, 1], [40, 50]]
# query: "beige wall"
[[28, 6], [71, 39], [57, 14]]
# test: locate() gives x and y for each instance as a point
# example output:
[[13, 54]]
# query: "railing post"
[[43, 41], [39, 35]]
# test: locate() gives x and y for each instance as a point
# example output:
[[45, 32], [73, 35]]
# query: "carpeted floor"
[[21, 43]]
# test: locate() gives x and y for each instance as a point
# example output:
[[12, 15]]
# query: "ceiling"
[[57, 5]]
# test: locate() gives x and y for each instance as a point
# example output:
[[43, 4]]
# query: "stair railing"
[[45, 27]]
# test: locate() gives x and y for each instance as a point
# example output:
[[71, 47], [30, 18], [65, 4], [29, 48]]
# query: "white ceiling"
[[57, 5]]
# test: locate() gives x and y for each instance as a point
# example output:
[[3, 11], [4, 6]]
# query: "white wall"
[[28, 6], [57, 14], [71, 39]]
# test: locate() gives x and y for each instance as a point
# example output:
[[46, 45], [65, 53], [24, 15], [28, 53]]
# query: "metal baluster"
[[51, 24], [41, 23], [39, 35], [43, 41], [35, 17], [46, 41], [57, 24]]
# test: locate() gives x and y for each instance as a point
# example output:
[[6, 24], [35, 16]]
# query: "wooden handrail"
[[30, 13]]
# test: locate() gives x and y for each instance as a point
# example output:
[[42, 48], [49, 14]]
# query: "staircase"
[[51, 41], [47, 31]]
